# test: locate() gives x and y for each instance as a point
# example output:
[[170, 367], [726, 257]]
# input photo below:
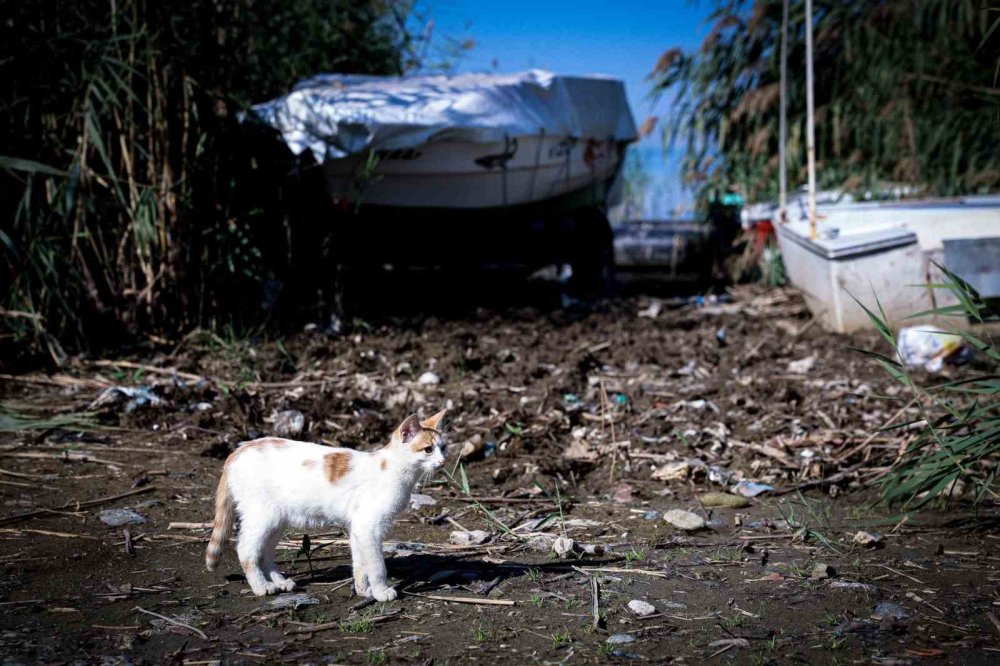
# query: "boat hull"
[[883, 256], [449, 174]]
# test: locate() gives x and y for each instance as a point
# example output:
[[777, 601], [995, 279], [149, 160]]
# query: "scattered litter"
[[673, 471], [293, 601], [890, 610], [201, 407], [751, 488], [852, 585], [719, 475], [802, 366], [821, 571], [653, 311], [723, 500], [473, 538], [133, 397], [121, 517], [592, 548], [289, 423], [868, 539], [563, 547], [931, 347], [684, 520], [620, 639], [641, 608], [651, 515], [429, 378], [418, 500]]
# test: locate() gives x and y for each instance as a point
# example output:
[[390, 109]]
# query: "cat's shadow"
[[429, 572]]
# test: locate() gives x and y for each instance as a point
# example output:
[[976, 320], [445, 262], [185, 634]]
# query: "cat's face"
[[421, 442]]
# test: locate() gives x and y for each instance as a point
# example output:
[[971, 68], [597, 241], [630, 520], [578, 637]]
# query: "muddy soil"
[[588, 423]]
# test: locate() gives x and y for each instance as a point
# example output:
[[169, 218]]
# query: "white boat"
[[887, 251], [466, 141]]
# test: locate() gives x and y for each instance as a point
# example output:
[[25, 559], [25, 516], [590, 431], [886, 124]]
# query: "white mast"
[[783, 121], [810, 124]]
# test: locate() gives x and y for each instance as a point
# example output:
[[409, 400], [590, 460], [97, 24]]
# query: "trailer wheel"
[[593, 254]]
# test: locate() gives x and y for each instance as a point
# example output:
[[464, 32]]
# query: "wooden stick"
[[595, 593], [64, 535], [172, 621], [844, 456], [463, 600], [147, 368], [189, 526], [312, 628], [76, 505]]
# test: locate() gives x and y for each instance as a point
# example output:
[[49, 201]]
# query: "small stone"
[[542, 543], [473, 538], [822, 570], [802, 366], [641, 608], [473, 447], [891, 610], [684, 520], [429, 378], [293, 601], [418, 500], [288, 423], [563, 546], [723, 500], [868, 539], [620, 639], [623, 494], [673, 471], [121, 517]]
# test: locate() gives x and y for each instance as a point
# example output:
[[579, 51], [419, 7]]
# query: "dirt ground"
[[587, 423]]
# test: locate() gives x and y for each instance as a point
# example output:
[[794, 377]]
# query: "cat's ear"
[[434, 421], [409, 428]]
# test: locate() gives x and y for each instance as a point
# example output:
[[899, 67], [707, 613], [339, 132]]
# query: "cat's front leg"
[[359, 567], [371, 546]]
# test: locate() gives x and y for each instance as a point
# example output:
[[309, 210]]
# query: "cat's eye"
[[428, 449]]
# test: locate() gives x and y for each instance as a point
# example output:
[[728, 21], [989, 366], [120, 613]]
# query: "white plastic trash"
[[930, 347]]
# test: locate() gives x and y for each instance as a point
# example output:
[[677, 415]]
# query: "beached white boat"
[[466, 141], [888, 250]]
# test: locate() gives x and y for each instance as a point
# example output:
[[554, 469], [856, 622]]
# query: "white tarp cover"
[[336, 115]]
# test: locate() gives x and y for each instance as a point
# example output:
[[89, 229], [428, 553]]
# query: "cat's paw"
[[362, 591], [286, 585], [263, 589], [384, 594]]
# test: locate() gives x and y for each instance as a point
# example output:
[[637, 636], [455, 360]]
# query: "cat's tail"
[[223, 522]]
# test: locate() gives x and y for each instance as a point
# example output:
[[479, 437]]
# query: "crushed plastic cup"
[[931, 347]]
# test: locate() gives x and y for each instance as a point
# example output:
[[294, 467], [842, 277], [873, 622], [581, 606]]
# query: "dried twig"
[[174, 622], [76, 506], [463, 600]]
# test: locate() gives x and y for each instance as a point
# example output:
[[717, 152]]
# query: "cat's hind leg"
[[251, 548], [270, 568]]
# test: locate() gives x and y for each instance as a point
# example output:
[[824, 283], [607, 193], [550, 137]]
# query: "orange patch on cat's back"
[[258, 445], [337, 465]]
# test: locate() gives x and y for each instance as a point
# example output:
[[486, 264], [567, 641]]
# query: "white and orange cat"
[[274, 484]]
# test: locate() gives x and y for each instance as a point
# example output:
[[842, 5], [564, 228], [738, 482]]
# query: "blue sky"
[[622, 39]]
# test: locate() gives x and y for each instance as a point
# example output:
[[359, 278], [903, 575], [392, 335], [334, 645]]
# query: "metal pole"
[[810, 124], [783, 122]]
